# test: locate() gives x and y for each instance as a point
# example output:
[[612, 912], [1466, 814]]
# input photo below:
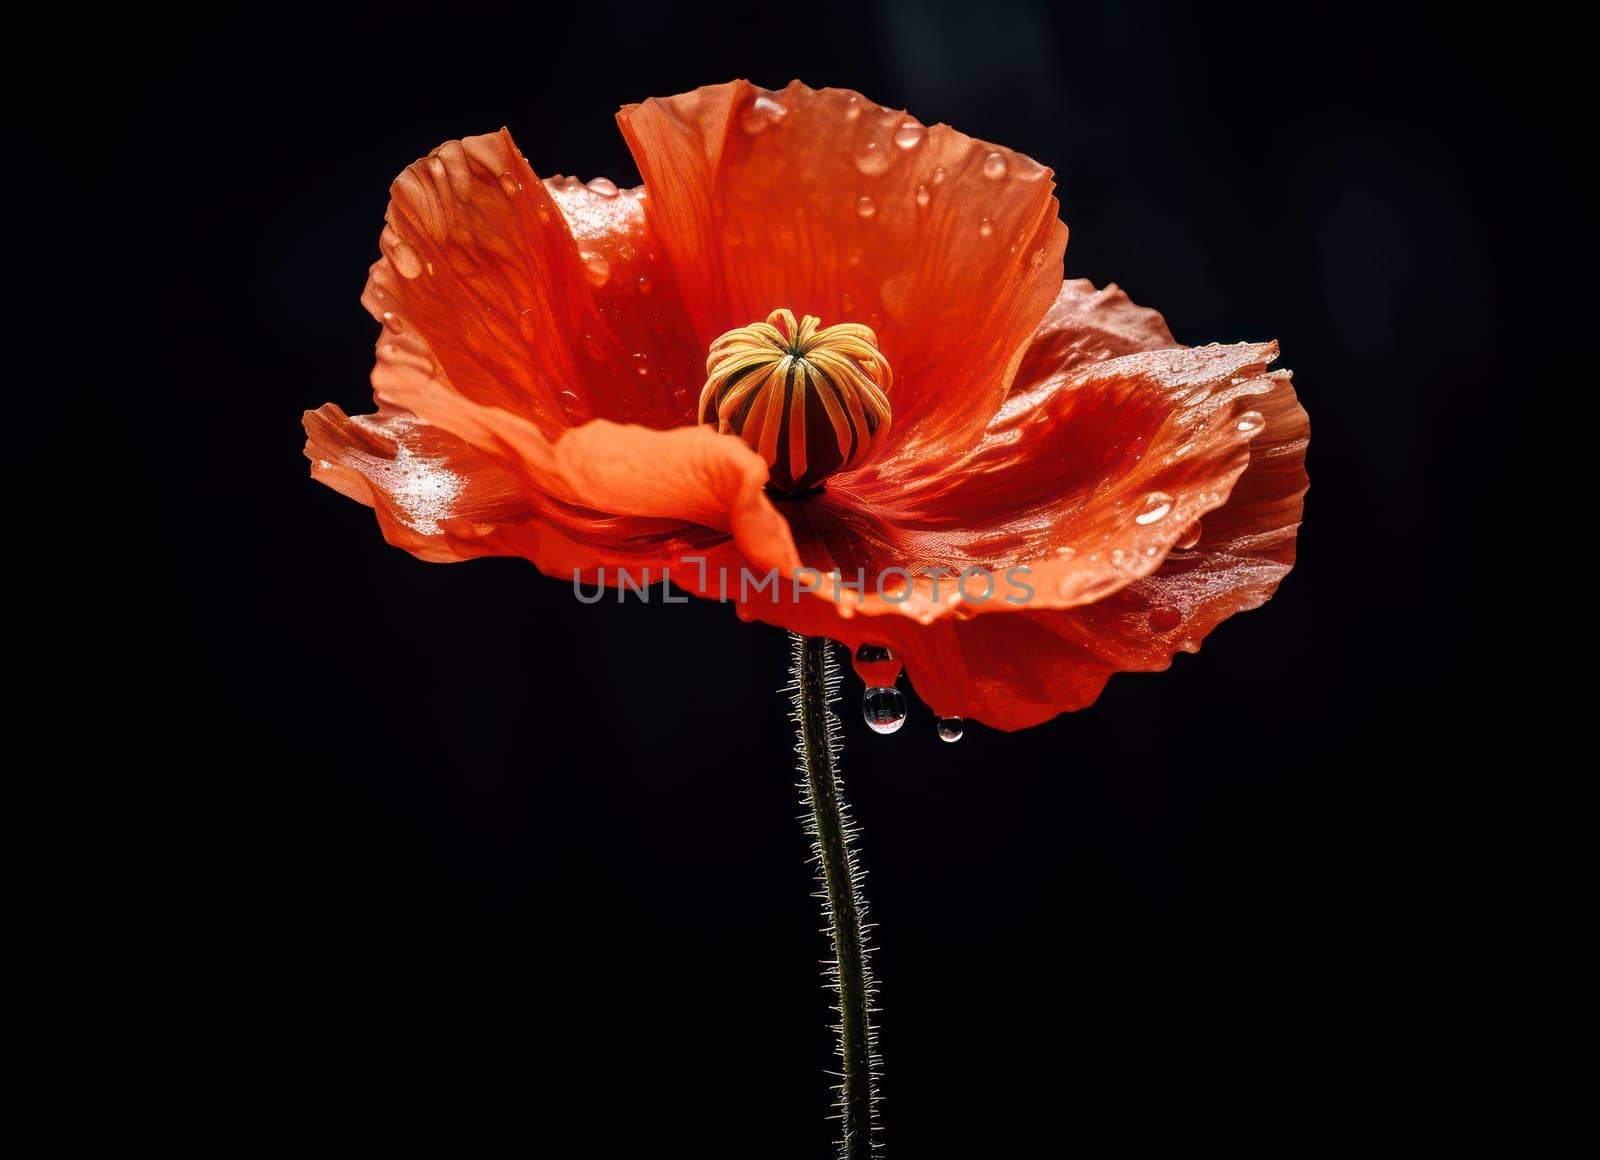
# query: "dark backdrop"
[[463, 828]]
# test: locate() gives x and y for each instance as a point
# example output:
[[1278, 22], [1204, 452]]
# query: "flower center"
[[810, 401]]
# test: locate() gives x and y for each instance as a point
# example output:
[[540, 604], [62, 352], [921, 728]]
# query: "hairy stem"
[[816, 681]]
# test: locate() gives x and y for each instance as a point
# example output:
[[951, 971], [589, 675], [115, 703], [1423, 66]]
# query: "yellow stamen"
[[809, 401]]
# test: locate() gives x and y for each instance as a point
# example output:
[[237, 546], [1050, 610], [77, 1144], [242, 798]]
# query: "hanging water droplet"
[[994, 166], [884, 710], [604, 186], [985, 228], [866, 207], [596, 267], [576, 409], [951, 728], [873, 159], [923, 196], [1250, 422], [873, 652], [909, 135], [1190, 537], [1156, 506]]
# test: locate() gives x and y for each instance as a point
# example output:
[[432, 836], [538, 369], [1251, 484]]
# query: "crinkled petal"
[[827, 204], [550, 305], [1062, 504]]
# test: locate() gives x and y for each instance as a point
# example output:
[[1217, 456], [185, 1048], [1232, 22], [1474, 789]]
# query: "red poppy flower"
[[820, 335]]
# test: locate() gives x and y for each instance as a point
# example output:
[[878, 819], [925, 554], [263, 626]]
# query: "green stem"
[[816, 680]]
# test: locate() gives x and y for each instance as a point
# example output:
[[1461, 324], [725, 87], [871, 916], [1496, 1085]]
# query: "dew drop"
[[761, 113], [923, 196], [641, 365], [1190, 537], [852, 108], [872, 653], [1156, 506], [866, 207], [645, 285], [592, 348], [985, 228], [994, 166], [510, 184], [596, 267], [1250, 422], [1164, 619], [575, 408], [951, 728], [873, 159], [909, 135], [938, 175], [392, 321], [1066, 553], [406, 260], [884, 710], [604, 186]]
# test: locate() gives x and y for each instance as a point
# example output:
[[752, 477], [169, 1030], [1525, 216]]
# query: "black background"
[[464, 829]]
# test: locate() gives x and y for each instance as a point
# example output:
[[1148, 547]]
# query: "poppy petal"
[[1079, 495], [1012, 672], [515, 292], [824, 203], [623, 489], [1086, 324]]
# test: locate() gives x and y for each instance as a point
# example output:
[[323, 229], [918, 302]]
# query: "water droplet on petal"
[[641, 365], [938, 175], [406, 260], [1156, 506], [873, 159], [645, 285], [852, 108], [592, 348], [760, 113], [510, 184], [596, 267], [1164, 619], [392, 321], [604, 186], [923, 196], [884, 710], [951, 728], [866, 207], [576, 409], [994, 166], [909, 135], [1251, 422], [985, 228], [1190, 537]]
